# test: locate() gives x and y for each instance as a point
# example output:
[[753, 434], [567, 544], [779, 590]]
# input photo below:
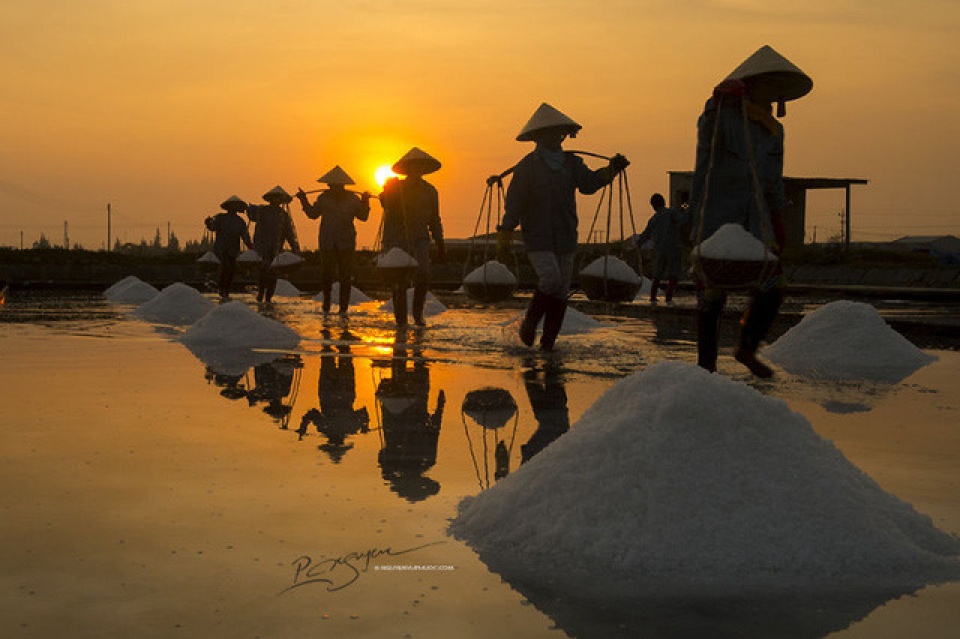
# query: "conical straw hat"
[[277, 193], [546, 117], [233, 203], [772, 77], [416, 160], [336, 175]]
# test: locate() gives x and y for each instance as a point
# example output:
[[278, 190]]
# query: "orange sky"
[[165, 108]]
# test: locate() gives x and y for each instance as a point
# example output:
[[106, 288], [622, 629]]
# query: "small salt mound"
[[286, 259], [286, 289], [846, 340], [733, 242], [492, 272], [611, 267], [575, 322], [432, 307], [678, 482], [645, 286], [130, 290], [249, 256], [234, 325], [396, 258], [356, 295], [176, 304], [208, 258]]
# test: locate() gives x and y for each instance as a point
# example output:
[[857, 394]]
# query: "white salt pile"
[[286, 289], [612, 268], [249, 256], [432, 307], [175, 304], [677, 482], [645, 286], [846, 340], [733, 242], [130, 290], [208, 258], [575, 322], [356, 295], [395, 258], [237, 325], [492, 272], [286, 259]]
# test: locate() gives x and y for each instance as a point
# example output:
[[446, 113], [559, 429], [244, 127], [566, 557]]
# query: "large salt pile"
[[611, 267], [431, 307], [733, 242], [846, 340], [285, 288], [130, 290], [677, 482], [175, 304], [492, 272], [356, 295]]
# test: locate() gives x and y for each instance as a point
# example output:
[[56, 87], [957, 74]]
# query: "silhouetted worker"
[[274, 228], [663, 230], [410, 431], [229, 230], [411, 216], [541, 199], [548, 399], [337, 209], [336, 417], [739, 179]]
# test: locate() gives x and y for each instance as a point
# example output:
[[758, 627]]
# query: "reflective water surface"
[[150, 493]]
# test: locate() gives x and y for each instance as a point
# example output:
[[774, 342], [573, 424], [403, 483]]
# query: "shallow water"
[[148, 495]]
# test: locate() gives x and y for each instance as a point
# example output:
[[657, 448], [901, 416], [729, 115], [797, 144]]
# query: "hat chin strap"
[[781, 108]]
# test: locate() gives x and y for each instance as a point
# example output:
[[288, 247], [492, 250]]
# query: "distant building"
[[796, 213], [946, 248]]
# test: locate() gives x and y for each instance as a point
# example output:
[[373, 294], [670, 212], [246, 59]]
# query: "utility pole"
[[66, 236], [108, 227]]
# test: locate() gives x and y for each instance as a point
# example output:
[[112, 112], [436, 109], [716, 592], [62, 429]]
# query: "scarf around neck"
[[555, 160]]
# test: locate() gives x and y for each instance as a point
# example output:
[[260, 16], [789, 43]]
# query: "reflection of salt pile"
[[356, 295], [130, 290], [847, 341], [733, 242], [611, 267], [492, 272], [679, 482], [286, 289], [176, 304], [432, 307], [224, 338]]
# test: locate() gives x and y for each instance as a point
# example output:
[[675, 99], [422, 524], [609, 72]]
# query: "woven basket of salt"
[[286, 262], [208, 262], [732, 258], [490, 282], [609, 279], [396, 266]]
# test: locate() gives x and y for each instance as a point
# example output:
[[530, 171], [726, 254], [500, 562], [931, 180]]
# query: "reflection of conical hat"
[[336, 175], [277, 193], [771, 77], [416, 161], [233, 203], [546, 117]]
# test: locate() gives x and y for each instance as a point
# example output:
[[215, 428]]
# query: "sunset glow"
[[383, 173]]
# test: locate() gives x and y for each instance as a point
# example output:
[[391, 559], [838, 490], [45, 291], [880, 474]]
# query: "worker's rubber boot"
[[708, 328], [419, 301], [535, 312], [754, 326], [552, 322], [671, 289], [654, 288], [400, 305]]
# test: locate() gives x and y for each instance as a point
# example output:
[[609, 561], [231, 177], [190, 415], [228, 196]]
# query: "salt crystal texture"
[[235, 324], [492, 272], [208, 258], [611, 267], [846, 340], [733, 242], [356, 295], [678, 482], [286, 289], [175, 304], [395, 258], [286, 259], [130, 290], [249, 256]]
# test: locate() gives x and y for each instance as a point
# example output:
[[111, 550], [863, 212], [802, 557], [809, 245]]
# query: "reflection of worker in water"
[[230, 385], [336, 418], [274, 383], [548, 399], [410, 431]]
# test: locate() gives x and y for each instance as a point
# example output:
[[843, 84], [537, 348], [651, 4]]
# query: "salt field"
[[176, 467]]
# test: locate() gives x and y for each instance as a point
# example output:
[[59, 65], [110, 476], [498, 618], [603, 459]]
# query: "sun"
[[383, 173]]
